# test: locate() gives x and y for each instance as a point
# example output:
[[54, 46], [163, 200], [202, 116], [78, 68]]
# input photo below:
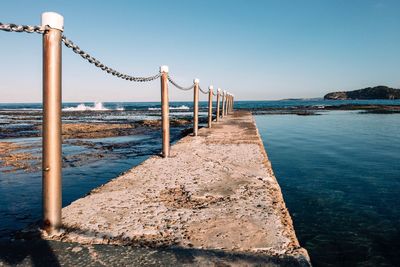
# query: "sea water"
[[340, 177], [339, 171]]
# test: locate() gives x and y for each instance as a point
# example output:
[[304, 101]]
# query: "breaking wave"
[[183, 107], [97, 106]]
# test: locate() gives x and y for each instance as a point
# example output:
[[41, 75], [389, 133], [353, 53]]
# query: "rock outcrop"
[[377, 92]]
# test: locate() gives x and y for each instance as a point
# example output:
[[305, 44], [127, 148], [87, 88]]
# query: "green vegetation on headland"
[[377, 92]]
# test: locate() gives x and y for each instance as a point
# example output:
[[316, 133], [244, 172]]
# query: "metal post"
[[223, 103], [196, 106], [218, 105], [210, 98], [227, 104], [164, 111], [228, 110], [230, 103], [233, 101], [51, 137]]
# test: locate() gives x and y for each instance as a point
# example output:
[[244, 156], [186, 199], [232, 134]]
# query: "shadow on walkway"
[[39, 252], [35, 252]]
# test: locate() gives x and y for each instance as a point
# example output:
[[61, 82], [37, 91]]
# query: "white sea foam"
[[183, 107], [97, 106]]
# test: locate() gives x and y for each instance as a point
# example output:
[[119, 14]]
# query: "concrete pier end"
[[216, 192]]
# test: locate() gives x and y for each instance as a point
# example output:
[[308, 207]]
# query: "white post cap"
[[196, 81], [164, 69], [211, 87], [224, 92], [53, 20], [219, 90]]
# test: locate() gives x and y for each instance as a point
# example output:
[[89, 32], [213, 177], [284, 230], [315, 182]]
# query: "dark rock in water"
[[377, 92], [306, 113]]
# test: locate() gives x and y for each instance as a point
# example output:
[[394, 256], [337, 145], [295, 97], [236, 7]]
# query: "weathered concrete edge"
[[299, 252]]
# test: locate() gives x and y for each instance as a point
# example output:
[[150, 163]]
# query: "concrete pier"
[[216, 192]]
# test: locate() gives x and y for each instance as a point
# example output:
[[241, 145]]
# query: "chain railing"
[[20, 28], [52, 30], [201, 90], [179, 86], [68, 43]]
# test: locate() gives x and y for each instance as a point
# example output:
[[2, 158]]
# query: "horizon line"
[[152, 101]]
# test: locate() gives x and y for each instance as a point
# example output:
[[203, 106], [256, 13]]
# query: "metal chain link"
[[20, 28], [68, 43], [201, 90], [178, 86]]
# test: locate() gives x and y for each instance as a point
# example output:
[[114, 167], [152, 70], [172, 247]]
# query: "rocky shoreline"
[[16, 156], [316, 110]]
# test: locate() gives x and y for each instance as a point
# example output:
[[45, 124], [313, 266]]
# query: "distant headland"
[[377, 92]]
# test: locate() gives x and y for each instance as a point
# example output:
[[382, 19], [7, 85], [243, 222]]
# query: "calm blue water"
[[340, 177]]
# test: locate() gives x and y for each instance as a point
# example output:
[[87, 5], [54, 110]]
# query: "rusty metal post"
[[218, 105], [196, 106], [223, 103], [164, 111], [210, 99], [51, 136]]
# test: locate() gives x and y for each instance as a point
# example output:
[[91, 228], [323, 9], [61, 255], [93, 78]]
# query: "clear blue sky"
[[256, 49]]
